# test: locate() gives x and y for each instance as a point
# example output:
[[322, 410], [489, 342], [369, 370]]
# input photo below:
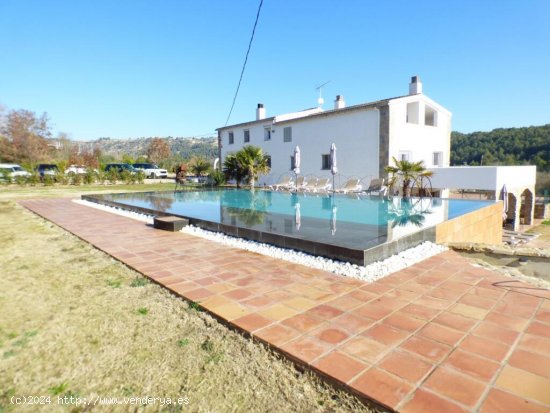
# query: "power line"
[[245, 60]]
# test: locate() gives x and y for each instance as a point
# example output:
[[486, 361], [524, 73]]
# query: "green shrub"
[[62, 178], [127, 177], [5, 177], [140, 177], [101, 177], [76, 179], [48, 180], [34, 179], [22, 180], [90, 176], [112, 176], [216, 177]]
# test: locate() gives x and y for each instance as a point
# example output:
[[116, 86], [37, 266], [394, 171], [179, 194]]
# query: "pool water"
[[349, 221]]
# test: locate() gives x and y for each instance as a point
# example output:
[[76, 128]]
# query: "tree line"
[[511, 146]]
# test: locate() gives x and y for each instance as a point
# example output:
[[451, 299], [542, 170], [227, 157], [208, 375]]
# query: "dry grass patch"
[[74, 321]]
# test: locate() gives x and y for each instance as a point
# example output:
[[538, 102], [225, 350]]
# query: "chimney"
[[260, 111], [339, 103], [415, 86]]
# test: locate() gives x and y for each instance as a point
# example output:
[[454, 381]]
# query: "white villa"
[[367, 136]]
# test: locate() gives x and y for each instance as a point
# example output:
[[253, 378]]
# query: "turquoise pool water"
[[357, 221]]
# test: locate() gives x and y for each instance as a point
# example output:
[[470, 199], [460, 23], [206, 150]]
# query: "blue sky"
[[157, 68]]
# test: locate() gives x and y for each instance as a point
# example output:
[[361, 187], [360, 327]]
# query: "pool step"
[[170, 223]]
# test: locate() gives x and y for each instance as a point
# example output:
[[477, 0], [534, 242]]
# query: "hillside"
[[184, 147], [512, 146]]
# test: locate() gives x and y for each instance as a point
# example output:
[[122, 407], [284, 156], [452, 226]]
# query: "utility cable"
[[245, 60]]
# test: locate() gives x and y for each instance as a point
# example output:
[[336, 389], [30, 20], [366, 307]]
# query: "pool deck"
[[441, 336]]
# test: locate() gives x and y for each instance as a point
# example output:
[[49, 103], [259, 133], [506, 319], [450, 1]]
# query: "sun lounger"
[[352, 185], [310, 185], [377, 185], [323, 185], [284, 183]]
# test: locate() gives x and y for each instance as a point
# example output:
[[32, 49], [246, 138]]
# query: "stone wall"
[[481, 226]]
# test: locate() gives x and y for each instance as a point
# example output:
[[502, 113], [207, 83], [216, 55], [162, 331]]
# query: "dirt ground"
[[75, 322]]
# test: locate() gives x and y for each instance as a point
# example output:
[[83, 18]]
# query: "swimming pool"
[[354, 228]]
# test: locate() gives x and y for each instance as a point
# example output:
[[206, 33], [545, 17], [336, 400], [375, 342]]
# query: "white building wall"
[[355, 133], [420, 140]]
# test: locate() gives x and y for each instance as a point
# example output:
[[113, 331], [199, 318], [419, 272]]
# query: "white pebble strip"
[[370, 272], [148, 219]]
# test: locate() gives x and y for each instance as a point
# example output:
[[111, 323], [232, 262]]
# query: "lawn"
[[75, 322]]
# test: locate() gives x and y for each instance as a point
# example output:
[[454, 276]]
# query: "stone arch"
[[511, 213], [526, 209]]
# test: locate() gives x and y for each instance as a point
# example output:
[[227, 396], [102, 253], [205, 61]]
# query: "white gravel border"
[[369, 273]]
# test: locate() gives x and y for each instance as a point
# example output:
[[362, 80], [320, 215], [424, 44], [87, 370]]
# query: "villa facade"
[[367, 136]]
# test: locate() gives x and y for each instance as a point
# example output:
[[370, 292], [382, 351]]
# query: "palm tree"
[[253, 163], [407, 173], [232, 169], [199, 166]]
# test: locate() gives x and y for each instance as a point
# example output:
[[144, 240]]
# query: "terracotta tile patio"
[[441, 336]]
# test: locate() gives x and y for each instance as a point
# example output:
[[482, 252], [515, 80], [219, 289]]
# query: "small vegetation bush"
[[90, 176], [216, 177], [112, 176], [48, 180], [76, 179]]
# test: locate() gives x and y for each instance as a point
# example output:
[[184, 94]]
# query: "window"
[[413, 112], [246, 136], [287, 132], [292, 163], [267, 133], [404, 156], [231, 138], [325, 161], [437, 158], [268, 160], [430, 116]]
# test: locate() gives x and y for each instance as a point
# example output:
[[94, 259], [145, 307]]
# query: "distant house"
[[367, 136]]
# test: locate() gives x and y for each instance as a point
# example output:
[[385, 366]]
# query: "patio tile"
[[483, 347], [511, 322], [306, 348], [345, 303], [382, 386], [303, 322], [277, 334], [469, 311], [429, 349], [198, 294], [238, 293], [330, 334], [258, 302], [495, 332], [373, 310], [498, 401], [420, 311], [424, 401], [340, 366], [252, 322], [454, 321], [441, 334], [534, 363], [352, 323], [455, 386], [230, 311], [386, 334], [325, 312], [278, 312], [539, 329], [300, 303], [472, 365], [535, 344], [524, 384], [477, 301], [405, 365], [364, 349], [401, 321], [543, 316]]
